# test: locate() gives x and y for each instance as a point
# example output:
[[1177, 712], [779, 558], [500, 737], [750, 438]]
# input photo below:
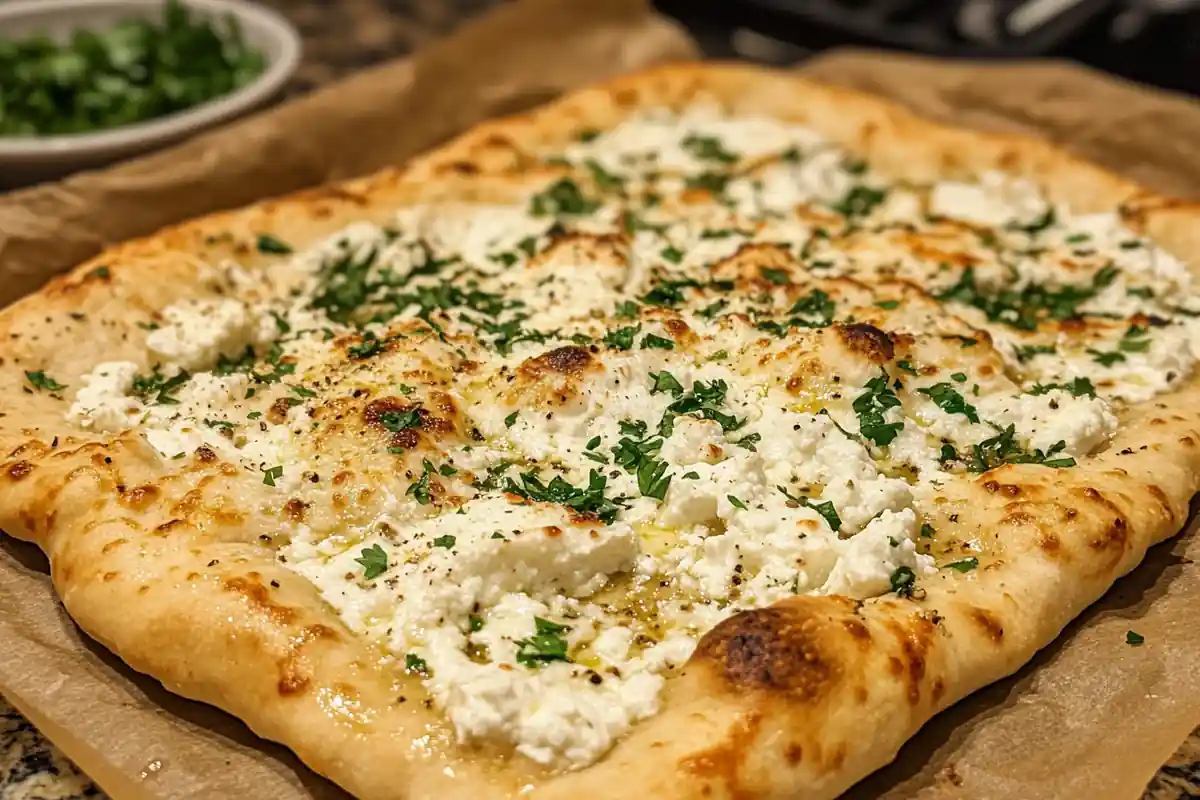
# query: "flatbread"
[[174, 563]]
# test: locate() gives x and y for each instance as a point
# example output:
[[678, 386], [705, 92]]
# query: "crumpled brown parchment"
[[1089, 716]]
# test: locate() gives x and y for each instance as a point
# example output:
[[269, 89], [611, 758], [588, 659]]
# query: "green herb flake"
[[735, 502], [415, 665], [419, 489], [903, 581], [511, 419], [546, 645], [42, 382], [779, 277], [1134, 638], [621, 338], [870, 407], [446, 541], [627, 309], [267, 243], [947, 398], [859, 202], [652, 342], [663, 382], [965, 565], [562, 198], [374, 561], [272, 474], [121, 73], [708, 148]]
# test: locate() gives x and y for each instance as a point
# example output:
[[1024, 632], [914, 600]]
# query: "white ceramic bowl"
[[38, 158]]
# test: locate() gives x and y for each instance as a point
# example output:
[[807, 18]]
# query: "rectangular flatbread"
[[700, 434]]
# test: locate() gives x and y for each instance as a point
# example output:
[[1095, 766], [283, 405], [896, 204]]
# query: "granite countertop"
[[341, 36]]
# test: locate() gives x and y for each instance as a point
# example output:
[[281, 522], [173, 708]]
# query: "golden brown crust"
[[801, 699]]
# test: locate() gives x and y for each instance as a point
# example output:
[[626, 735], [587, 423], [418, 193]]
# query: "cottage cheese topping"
[[536, 450]]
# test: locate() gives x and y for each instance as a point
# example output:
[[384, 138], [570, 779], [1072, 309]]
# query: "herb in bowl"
[[133, 71]]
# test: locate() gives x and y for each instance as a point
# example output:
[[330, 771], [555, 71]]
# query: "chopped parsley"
[[859, 201], [396, 421], [272, 474], [708, 148], [511, 419], [374, 561], [749, 441], [947, 398], [650, 341], [1078, 387], [667, 293], [813, 310], [561, 198], [627, 309], [713, 182], [1024, 308], [419, 489], [1048, 218], [1134, 638], [735, 501], [269, 244], [825, 509], [370, 346], [621, 338], [665, 382], [446, 541], [590, 500], [1029, 351], [1135, 340], [870, 407], [43, 382], [1003, 449], [965, 565], [672, 254], [415, 665], [903, 581], [638, 453], [704, 400], [546, 645], [779, 277], [155, 388], [605, 180]]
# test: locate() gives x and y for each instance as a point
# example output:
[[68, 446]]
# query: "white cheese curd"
[[1084, 424], [103, 402], [997, 199], [596, 516], [660, 141], [1138, 375], [867, 561], [195, 333]]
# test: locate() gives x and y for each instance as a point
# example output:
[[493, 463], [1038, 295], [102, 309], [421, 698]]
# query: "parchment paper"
[[1090, 716]]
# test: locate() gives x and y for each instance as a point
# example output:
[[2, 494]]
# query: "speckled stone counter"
[[341, 36]]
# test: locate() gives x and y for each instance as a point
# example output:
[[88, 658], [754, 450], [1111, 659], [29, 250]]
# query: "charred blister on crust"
[[867, 341], [19, 470], [914, 638], [783, 648], [258, 598], [570, 360]]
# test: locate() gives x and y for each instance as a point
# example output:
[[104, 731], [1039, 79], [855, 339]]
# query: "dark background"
[[1152, 41]]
